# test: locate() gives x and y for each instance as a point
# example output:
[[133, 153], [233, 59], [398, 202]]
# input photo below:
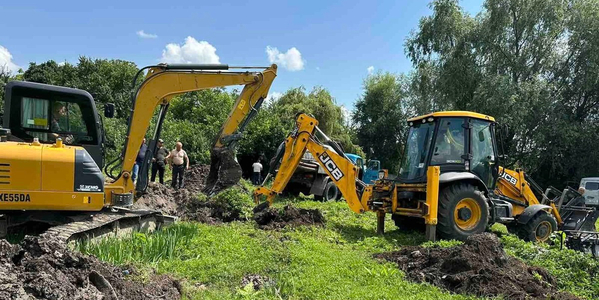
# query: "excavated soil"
[[479, 267], [37, 269], [272, 218], [184, 202]]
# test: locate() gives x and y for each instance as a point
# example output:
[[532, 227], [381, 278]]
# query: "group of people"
[[177, 160]]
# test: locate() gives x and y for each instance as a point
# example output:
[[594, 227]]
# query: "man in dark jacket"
[[159, 162], [140, 159]]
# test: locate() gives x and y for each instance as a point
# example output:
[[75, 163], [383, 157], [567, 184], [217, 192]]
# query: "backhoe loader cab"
[[461, 144], [448, 169]]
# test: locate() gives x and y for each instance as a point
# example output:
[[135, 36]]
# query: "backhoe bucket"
[[225, 171]]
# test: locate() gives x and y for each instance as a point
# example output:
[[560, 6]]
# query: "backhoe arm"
[[339, 168], [162, 83]]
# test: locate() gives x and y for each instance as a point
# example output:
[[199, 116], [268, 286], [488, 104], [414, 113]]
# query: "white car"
[[591, 193]]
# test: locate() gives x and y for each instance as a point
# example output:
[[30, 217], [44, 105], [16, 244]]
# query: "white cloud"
[[192, 52], [272, 97], [290, 60], [144, 35], [370, 69], [6, 63]]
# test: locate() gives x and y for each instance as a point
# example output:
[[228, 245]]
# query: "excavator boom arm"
[[339, 168], [163, 82]]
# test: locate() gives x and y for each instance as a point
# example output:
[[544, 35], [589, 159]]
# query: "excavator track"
[[116, 221]]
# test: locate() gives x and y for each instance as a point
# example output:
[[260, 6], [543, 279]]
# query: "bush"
[[235, 199]]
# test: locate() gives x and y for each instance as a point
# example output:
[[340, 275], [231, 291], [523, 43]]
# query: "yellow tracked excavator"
[[52, 146], [450, 183]]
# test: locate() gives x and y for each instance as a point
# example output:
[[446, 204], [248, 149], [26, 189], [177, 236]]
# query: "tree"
[[379, 118], [531, 64], [108, 81]]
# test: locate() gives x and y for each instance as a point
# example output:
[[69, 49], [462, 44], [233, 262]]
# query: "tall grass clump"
[[140, 247]]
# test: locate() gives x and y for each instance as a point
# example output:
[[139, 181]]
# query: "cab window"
[[49, 120], [374, 165], [483, 154], [359, 163], [591, 186], [449, 146]]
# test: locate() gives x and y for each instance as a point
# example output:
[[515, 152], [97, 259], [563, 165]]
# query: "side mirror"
[[481, 136], [109, 110]]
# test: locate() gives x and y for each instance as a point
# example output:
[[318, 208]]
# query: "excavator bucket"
[[225, 171]]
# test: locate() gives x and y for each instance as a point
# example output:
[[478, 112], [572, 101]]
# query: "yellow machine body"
[[36, 176], [46, 173], [451, 195]]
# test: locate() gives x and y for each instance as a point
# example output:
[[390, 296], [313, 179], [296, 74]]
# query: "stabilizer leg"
[[380, 222], [431, 232]]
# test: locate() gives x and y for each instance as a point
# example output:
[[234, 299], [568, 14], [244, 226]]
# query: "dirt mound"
[[37, 269], [184, 202], [478, 267], [272, 218]]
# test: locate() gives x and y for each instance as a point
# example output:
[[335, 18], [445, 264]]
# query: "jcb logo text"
[[331, 166]]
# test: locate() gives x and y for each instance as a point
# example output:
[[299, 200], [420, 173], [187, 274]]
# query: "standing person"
[[140, 159], [179, 162], [257, 168], [159, 162]]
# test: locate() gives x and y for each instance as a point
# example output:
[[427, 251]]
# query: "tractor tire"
[[409, 223], [463, 211], [330, 192], [538, 229]]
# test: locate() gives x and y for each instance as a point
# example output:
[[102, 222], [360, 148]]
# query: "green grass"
[[329, 262], [576, 272]]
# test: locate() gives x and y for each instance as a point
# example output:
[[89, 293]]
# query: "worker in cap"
[[159, 162]]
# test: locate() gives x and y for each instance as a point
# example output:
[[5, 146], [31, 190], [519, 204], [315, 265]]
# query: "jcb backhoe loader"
[[450, 180], [52, 146]]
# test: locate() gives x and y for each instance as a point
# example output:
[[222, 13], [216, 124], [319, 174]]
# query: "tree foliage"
[[530, 64], [379, 118]]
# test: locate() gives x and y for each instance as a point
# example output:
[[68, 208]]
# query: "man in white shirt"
[[257, 168], [178, 162]]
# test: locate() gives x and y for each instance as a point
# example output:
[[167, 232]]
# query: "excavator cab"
[[461, 144], [47, 113]]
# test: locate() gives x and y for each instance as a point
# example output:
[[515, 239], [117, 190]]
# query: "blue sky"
[[333, 43]]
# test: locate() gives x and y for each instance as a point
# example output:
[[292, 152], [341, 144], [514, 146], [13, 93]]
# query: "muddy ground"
[[36, 269], [273, 218], [184, 202], [478, 267]]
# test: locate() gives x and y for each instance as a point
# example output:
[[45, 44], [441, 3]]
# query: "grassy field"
[[330, 262]]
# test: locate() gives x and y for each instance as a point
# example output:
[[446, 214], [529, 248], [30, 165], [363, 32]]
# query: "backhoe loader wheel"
[[463, 211], [538, 229]]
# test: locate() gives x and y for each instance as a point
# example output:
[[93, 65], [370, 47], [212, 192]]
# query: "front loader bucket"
[[225, 171]]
